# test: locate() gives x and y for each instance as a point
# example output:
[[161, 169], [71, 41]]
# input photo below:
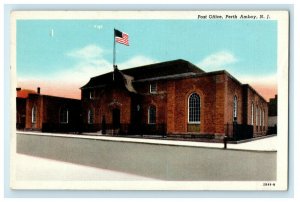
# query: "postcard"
[[149, 100]]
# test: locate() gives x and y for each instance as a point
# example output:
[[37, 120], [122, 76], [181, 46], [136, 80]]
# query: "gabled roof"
[[174, 67], [162, 69]]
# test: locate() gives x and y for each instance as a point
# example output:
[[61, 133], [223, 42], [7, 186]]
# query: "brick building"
[[22, 95], [47, 113], [173, 98], [272, 115]]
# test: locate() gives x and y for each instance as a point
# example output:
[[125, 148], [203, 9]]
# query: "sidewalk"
[[52, 170], [265, 144], [103, 158]]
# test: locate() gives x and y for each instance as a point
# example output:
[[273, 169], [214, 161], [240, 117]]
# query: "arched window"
[[260, 116], [152, 115], [64, 115], [252, 113], [33, 114], [235, 103], [256, 120], [194, 108], [91, 116], [263, 118]]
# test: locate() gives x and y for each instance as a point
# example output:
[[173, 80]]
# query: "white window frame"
[[189, 121], [235, 107], [263, 118], [252, 113], [149, 118], [33, 114], [260, 116], [89, 116], [256, 113], [153, 87], [92, 94], [67, 117]]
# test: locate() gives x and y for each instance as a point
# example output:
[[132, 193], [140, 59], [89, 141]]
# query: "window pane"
[[33, 114], [91, 116], [152, 115], [256, 116], [252, 113], [194, 108], [153, 87], [64, 113], [235, 107]]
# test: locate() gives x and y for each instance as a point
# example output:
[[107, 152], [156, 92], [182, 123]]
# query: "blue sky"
[[83, 48]]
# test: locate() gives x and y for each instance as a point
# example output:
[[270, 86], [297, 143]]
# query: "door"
[[116, 118]]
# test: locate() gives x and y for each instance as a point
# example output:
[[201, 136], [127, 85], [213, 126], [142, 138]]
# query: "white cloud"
[[224, 60], [136, 61], [89, 63], [87, 52], [217, 61]]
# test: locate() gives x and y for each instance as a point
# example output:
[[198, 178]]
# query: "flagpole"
[[114, 55]]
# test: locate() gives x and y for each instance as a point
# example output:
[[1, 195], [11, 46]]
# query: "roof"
[[24, 93], [163, 69]]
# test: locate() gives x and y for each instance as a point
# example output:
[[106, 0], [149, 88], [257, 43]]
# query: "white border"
[[281, 17]]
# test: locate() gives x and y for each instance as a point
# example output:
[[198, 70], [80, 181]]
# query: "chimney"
[[18, 89], [38, 90]]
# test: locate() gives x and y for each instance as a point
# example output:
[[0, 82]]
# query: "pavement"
[[52, 170], [260, 144]]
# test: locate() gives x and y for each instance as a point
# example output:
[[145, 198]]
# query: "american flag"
[[121, 37]]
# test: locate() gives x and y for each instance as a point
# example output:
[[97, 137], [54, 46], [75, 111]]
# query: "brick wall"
[[48, 111], [21, 113], [103, 103], [216, 90], [234, 88], [157, 99], [34, 100], [259, 128]]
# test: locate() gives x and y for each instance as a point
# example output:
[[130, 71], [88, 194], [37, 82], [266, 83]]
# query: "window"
[[153, 87], [152, 115], [194, 108], [263, 118], [256, 121], [64, 115], [235, 108], [92, 94], [91, 116], [252, 113], [33, 114], [260, 116]]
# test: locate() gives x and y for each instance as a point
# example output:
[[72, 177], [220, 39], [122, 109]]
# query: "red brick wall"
[[216, 91], [221, 99], [157, 99], [171, 101], [34, 100], [171, 89], [259, 102], [104, 102], [48, 109], [21, 112], [233, 89]]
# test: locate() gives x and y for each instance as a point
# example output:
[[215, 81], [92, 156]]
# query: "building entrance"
[[116, 118]]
